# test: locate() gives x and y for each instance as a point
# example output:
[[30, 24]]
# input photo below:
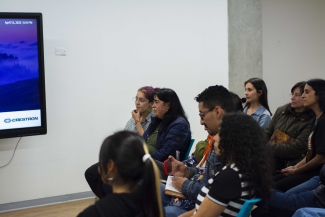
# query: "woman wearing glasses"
[[289, 129], [256, 101], [169, 130], [314, 99], [141, 116]]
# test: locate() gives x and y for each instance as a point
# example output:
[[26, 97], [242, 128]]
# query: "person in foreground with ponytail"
[[125, 164]]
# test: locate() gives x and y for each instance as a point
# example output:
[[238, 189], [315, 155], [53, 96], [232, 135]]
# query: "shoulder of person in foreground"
[[114, 205]]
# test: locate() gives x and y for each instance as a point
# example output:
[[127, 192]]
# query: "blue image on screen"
[[19, 66]]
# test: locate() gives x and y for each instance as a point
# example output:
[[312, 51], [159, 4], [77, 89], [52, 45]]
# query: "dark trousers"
[[95, 182], [284, 183]]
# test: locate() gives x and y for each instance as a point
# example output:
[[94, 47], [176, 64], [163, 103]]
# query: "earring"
[[149, 110], [109, 179]]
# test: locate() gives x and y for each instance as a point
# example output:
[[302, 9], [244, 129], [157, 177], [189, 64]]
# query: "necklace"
[[318, 118]]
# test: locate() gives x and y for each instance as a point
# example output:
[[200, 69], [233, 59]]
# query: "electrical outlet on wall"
[[60, 51]]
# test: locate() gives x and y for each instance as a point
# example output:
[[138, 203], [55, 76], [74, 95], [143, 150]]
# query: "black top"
[[125, 204], [316, 138], [226, 188]]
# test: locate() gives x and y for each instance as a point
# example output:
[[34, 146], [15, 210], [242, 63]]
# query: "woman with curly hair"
[[247, 172]]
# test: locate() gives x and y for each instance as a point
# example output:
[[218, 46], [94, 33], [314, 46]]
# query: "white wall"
[[113, 48], [293, 45]]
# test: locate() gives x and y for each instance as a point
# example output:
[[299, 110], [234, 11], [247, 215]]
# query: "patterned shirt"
[[131, 126], [227, 189]]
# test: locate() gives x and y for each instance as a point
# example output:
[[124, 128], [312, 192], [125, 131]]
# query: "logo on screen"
[[7, 120]]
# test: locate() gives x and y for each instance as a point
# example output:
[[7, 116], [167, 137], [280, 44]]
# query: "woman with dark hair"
[[169, 130], [124, 163], [237, 101], [240, 145], [141, 116], [289, 129], [314, 99], [256, 101]]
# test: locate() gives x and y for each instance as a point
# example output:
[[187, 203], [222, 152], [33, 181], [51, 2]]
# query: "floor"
[[67, 209]]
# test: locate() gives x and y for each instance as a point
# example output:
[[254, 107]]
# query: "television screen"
[[22, 83]]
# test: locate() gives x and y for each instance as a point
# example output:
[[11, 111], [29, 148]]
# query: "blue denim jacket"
[[192, 188], [261, 115]]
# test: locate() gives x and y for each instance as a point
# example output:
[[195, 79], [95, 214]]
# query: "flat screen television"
[[22, 82]]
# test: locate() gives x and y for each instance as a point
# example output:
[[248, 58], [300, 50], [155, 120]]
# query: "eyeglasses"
[[202, 114], [141, 100], [296, 95]]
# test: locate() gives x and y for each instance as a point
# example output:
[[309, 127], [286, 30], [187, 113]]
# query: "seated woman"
[[169, 130], [141, 118], [313, 98], [246, 173], [289, 129], [124, 163], [256, 101]]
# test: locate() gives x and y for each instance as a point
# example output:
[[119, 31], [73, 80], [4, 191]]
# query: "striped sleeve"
[[226, 187]]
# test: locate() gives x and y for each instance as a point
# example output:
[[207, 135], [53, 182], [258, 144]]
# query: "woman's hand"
[[288, 168], [136, 116], [289, 171]]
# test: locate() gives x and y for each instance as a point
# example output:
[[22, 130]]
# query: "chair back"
[[245, 210], [189, 149]]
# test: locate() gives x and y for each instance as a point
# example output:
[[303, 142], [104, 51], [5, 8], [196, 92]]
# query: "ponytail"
[[135, 168], [151, 204]]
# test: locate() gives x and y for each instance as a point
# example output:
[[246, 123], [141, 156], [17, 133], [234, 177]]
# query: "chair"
[[246, 209], [189, 149]]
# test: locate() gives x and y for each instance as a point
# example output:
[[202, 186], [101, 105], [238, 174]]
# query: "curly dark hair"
[[242, 142]]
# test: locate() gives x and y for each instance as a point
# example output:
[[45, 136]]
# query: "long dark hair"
[[260, 87], [175, 110], [242, 142], [126, 149], [319, 86]]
